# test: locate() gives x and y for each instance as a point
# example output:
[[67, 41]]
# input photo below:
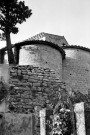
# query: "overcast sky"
[[69, 18]]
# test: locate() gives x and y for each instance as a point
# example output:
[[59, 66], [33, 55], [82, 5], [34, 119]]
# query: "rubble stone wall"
[[42, 56], [32, 86]]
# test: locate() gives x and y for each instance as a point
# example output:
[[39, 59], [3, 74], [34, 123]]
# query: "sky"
[[68, 18]]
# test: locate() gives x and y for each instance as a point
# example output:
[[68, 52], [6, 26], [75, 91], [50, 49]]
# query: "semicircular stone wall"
[[76, 70], [36, 81], [42, 56]]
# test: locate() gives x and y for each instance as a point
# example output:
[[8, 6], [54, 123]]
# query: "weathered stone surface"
[[41, 56], [17, 124], [36, 87], [76, 70]]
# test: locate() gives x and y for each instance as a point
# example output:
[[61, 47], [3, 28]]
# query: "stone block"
[[36, 84], [32, 80]]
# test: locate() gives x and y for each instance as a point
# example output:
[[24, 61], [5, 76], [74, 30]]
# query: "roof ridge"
[[54, 35], [42, 34]]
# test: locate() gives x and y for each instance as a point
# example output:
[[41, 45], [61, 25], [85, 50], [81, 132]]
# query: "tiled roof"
[[43, 34], [45, 37]]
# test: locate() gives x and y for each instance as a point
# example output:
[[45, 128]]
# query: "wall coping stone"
[[76, 47], [37, 42]]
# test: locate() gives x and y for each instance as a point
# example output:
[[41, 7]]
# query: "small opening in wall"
[[20, 77], [1, 116], [11, 108], [63, 44]]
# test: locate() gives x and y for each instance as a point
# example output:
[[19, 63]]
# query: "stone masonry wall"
[[32, 86], [76, 70], [59, 40], [42, 56]]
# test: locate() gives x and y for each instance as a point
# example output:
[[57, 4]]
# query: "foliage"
[[58, 118], [59, 122], [12, 13], [80, 97]]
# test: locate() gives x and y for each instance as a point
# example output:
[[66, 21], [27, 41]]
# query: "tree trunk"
[[8, 39], [9, 49]]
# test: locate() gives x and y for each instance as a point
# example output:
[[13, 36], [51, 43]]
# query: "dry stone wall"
[[32, 86], [42, 56]]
